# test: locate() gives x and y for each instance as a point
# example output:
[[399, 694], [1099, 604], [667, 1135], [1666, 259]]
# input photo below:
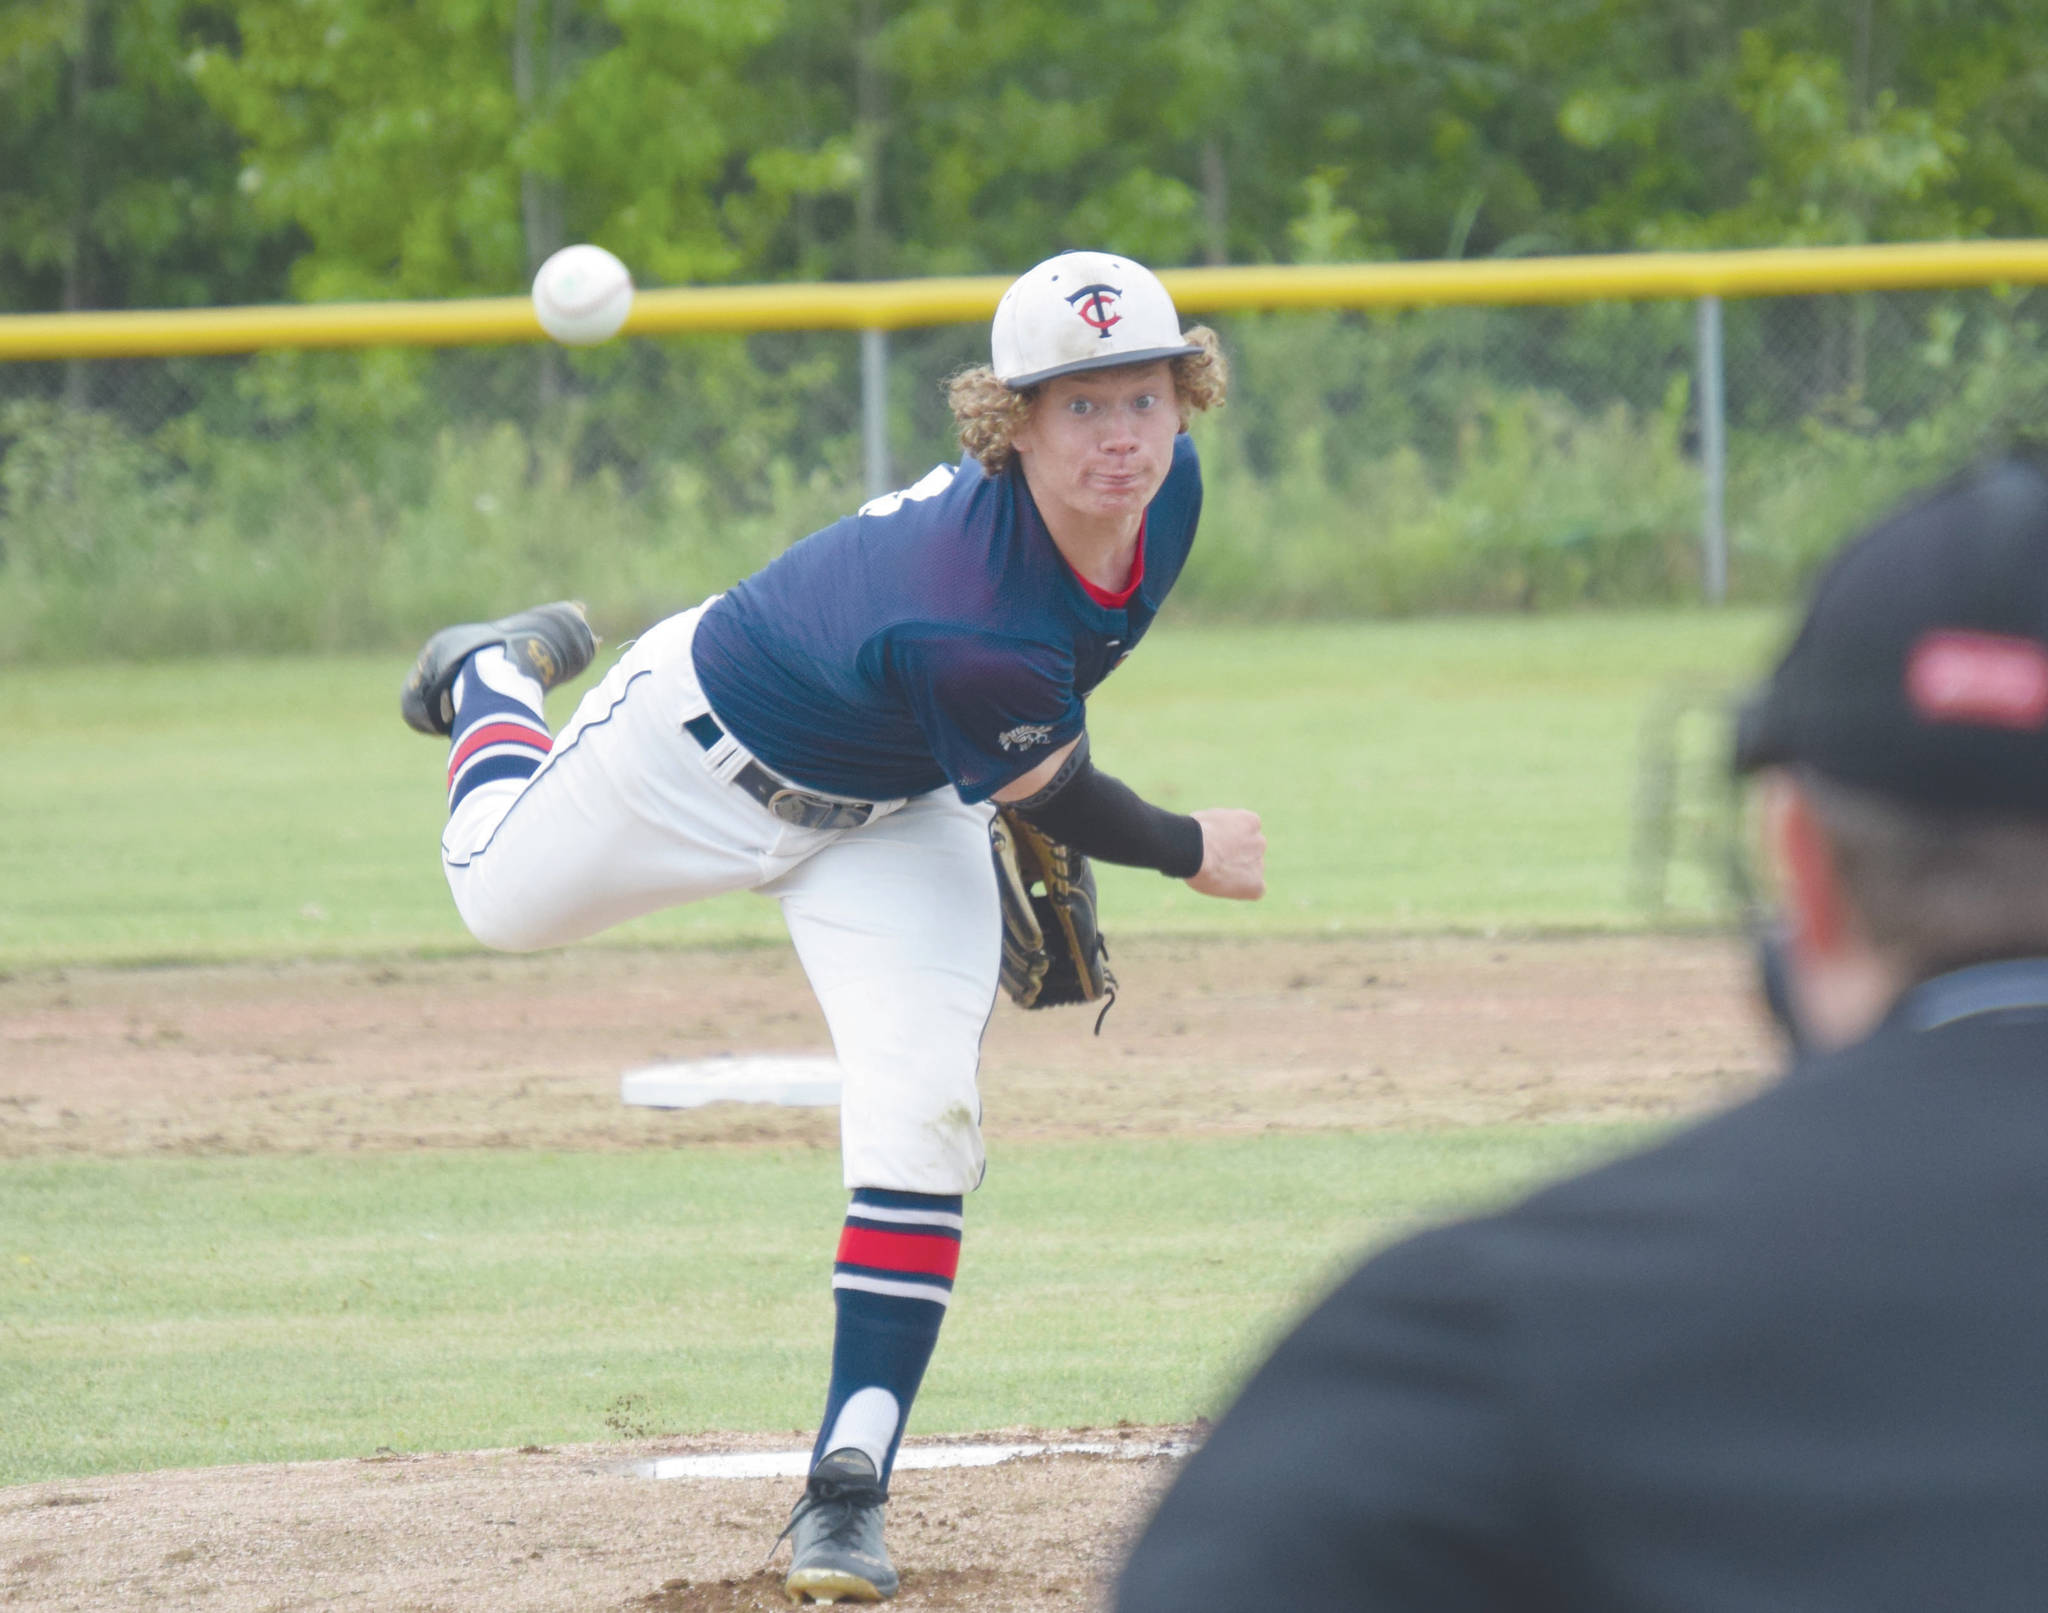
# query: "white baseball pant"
[[896, 922]]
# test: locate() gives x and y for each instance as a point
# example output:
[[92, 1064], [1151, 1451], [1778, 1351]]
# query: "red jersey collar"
[[1123, 596]]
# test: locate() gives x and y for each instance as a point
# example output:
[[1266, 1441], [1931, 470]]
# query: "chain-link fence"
[[1367, 464]]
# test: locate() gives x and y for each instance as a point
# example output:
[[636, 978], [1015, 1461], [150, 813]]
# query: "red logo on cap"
[[1985, 678], [1092, 304]]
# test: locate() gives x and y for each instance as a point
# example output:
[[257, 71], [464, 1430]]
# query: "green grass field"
[[159, 1313], [1451, 774], [1418, 776]]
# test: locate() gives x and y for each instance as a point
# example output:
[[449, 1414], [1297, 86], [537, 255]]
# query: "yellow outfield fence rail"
[[908, 304]]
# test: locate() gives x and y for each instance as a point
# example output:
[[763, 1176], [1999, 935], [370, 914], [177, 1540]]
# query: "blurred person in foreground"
[[1795, 1357]]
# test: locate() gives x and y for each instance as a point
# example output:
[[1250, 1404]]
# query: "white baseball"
[[582, 296]]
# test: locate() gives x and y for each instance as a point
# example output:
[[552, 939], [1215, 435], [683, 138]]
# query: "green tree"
[[118, 187], [442, 147], [1729, 122]]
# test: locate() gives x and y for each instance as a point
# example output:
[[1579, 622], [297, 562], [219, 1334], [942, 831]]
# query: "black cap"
[[1921, 670]]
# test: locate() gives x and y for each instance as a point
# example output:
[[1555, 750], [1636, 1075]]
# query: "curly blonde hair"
[[989, 415]]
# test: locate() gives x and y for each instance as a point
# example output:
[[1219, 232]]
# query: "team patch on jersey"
[[1025, 735]]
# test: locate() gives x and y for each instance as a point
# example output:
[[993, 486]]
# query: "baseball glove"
[[1052, 951]]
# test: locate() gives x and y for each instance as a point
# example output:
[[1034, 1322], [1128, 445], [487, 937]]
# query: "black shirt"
[[1795, 1358]]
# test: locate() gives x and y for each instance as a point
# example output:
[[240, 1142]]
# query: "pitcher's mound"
[[572, 1529]]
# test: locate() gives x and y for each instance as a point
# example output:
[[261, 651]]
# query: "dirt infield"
[[565, 1529], [493, 1053], [490, 1052]]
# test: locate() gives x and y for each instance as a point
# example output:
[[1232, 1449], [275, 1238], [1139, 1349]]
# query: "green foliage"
[[1753, 125], [1525, 519], [1797, 491], [118, 186], [181, 151], [402, 137], [173, 1313], [365, 517], [1452, 460], [212, 150], [1449, 461]]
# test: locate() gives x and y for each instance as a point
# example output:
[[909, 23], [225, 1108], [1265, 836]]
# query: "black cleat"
[[550, 642], [835, 1535]]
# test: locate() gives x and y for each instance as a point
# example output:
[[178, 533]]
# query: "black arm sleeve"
[[1103, 817]]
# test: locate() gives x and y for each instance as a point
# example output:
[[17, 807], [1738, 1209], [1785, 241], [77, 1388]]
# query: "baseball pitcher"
[[839, 732]]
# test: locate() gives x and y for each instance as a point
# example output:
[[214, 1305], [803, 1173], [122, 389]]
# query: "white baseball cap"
[[1082, 311]]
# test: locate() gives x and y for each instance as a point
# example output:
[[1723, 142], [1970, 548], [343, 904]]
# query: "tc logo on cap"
[[1067, 316], [1092, 304], [1990, 679]]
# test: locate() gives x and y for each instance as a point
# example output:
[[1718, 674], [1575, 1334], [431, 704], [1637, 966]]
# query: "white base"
[[795, 1464], [793, 1081]]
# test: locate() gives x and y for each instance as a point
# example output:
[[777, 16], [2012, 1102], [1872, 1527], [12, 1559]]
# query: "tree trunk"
[[536, 63], [870, 111], [1216, 201], [1859, 312], [870, 254], [78, 291]]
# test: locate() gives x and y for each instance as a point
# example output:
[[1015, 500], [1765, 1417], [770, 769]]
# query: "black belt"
[[802, 808]]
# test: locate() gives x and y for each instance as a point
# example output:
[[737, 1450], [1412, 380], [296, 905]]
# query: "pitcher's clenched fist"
[[1233, 854]]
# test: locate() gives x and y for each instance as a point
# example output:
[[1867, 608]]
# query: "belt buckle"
[[797, 808], [803, 810]]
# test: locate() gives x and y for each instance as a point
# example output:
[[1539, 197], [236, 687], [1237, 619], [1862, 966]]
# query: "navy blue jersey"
[[936, 636]]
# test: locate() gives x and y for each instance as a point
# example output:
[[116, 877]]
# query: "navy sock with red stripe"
[[499, 732], [890, 1284]]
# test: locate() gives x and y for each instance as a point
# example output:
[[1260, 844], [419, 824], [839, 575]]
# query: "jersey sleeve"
[[990, 708], [1368, 1464]]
